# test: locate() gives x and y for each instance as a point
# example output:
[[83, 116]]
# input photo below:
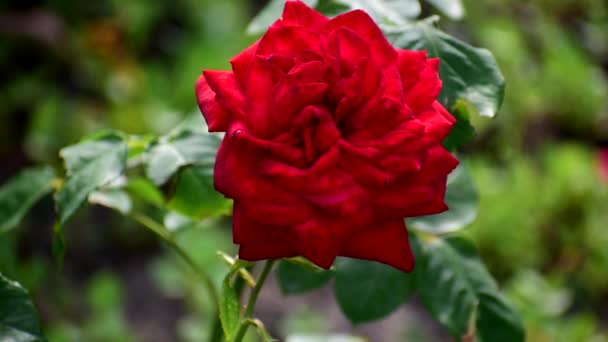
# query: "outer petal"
[[240, 62], [424, 93], [258, 93], [267, 250], [410, 64], [361, 23], [296, 13], [386, 242], [288, 40], [316, 243], [228, 93], [217, 119]]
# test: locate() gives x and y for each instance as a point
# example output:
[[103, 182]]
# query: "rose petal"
[[358, 21], [228, 93], [386, 242], [348, 48], [258, 93], [240, 62], [298, 14], [316, 243], [217, 119], [267, 250], [410, 63], [426, 90], [287, 40]]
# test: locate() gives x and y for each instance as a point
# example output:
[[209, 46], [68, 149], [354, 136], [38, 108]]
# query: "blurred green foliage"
[[69, 68]]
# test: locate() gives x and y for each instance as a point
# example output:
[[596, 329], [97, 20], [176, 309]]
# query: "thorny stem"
[[253, 297]]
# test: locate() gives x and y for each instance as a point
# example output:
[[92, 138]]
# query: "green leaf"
[[116, 199], [195, 195], [271, 12], [461, 294], [145, 190], [230, 308], [21, 192], [295, 279], [90, 165], [386, 11], [331, 8], [462, 132], [77, 156], [468, 73], [452, 9], [186, 147], [367, 290], [462, 201], [18, 318]]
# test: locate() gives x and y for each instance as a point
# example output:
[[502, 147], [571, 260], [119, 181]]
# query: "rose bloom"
[[333, 137], [602, 158]]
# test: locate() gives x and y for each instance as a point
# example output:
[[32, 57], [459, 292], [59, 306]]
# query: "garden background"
[[70, 68]]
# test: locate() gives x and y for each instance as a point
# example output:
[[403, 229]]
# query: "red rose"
[[333, 138], [602, 158]]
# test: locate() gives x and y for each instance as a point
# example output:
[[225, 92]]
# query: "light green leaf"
[[18, 318], [467, 73], [90, 165], [230, 310], [461, 294], [271, 12], [367, 290], [452, 9], [462, 201], [295, 279], [186, 147], [116, 199], [145, 190], [21, 192], [386, 11], [175, 221], [79, 155]]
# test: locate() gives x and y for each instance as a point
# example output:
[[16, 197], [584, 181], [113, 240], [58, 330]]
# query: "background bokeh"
[[69, 68]]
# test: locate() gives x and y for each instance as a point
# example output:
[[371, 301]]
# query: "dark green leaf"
[[331, 8], [367, 290], [116, 199], [468, 73], [187, 147], [90, 165], [461, 199], [295, 279], [18, 317], [452, 9], [461, 294], [462, 132], [195, 195], [230, 311], [271, 12], [21, 192]]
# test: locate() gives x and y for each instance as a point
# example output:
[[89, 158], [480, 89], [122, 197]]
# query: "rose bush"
[[333, 137]]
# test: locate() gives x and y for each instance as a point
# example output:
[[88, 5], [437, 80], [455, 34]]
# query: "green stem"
[[253, 297], [166, 236]]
